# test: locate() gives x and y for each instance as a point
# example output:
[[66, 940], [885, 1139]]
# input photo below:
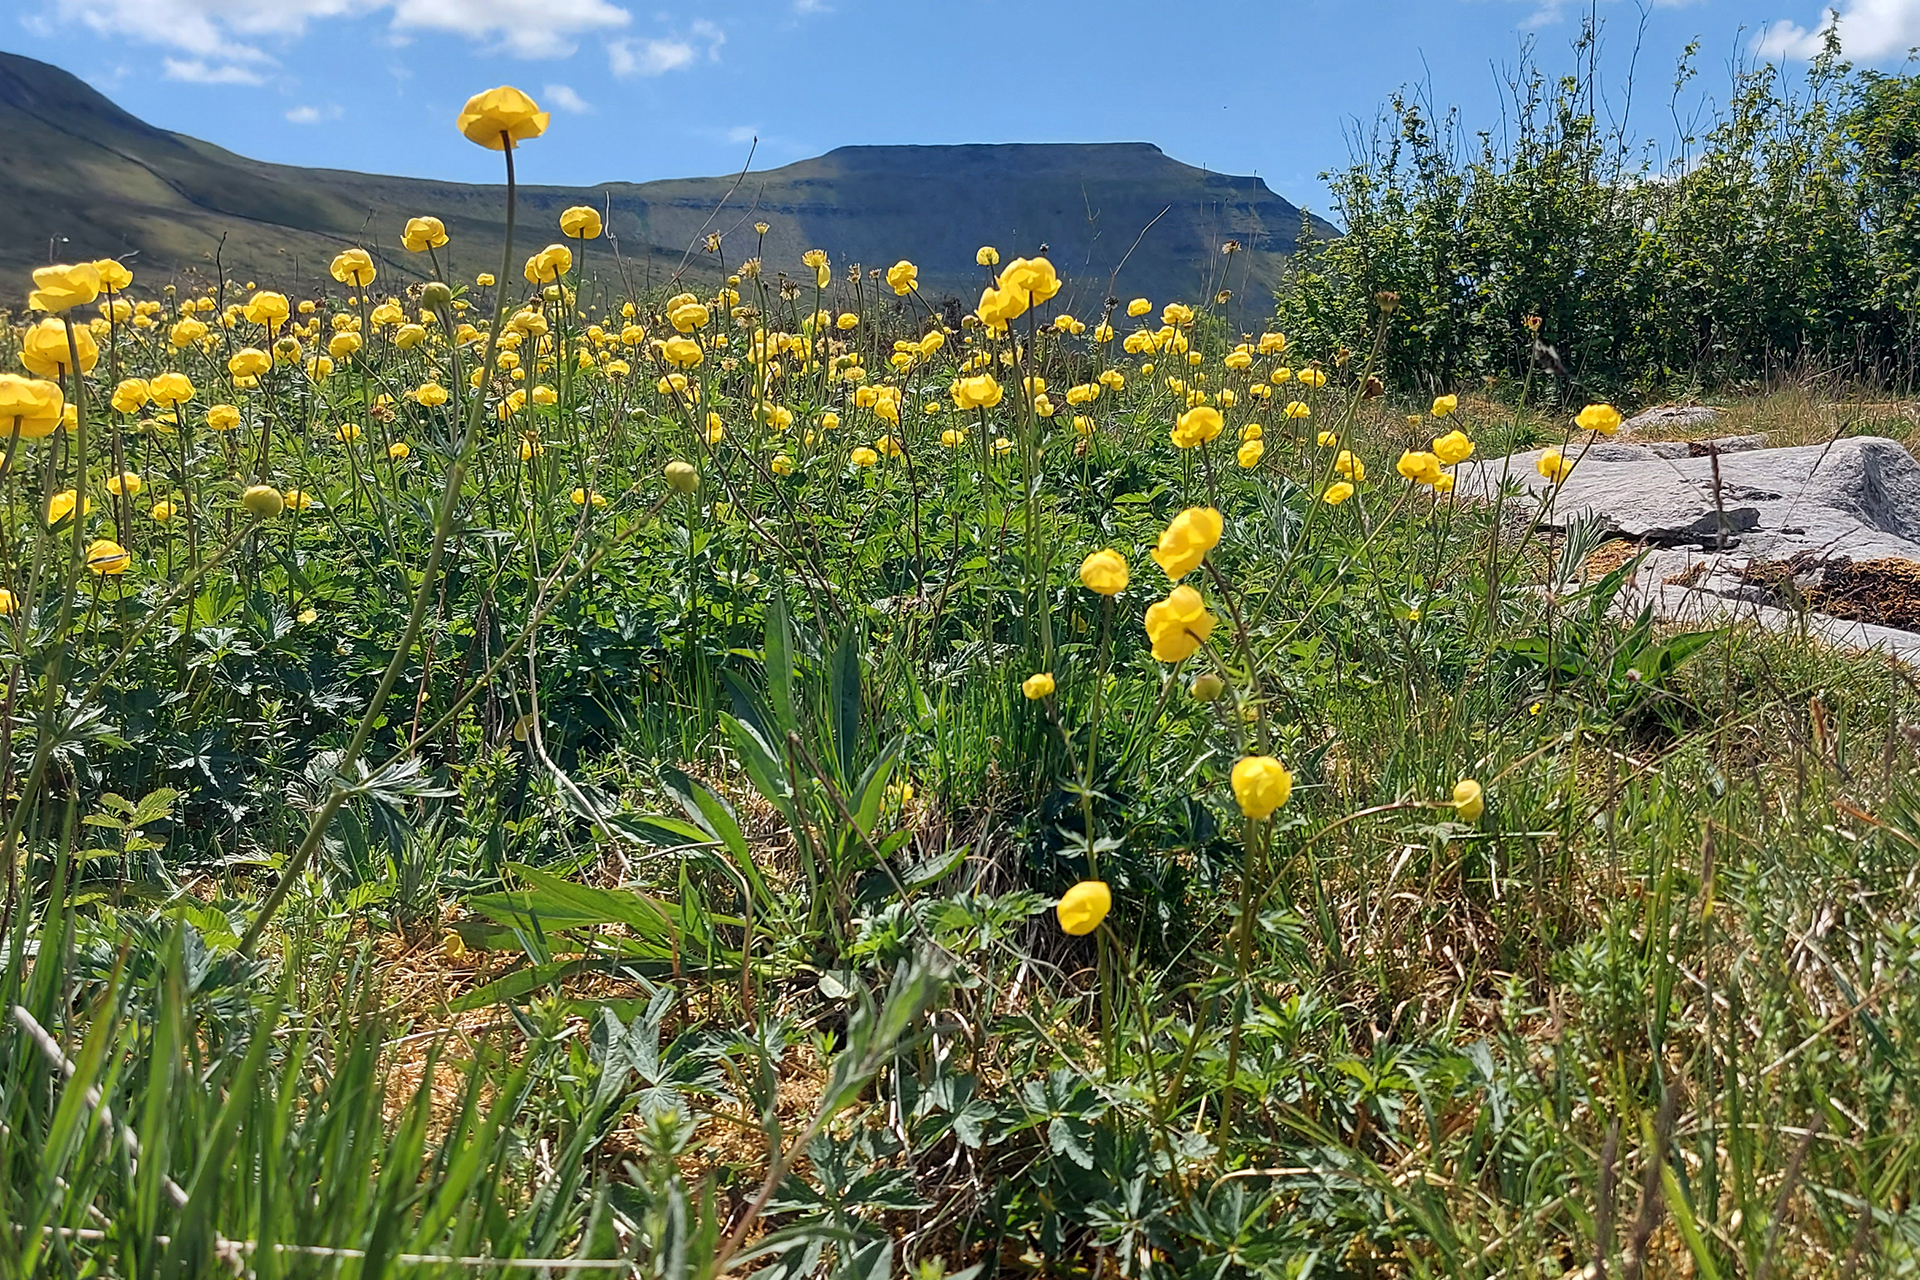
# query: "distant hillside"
[[74, 165]]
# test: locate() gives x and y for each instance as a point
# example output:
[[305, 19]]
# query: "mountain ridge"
[[82, 177]]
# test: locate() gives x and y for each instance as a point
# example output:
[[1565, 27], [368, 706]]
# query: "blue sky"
[[638, 92]]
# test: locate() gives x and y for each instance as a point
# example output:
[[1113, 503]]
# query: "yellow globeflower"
[[1337, 492], [398, 451], [44, 349], [1603, 418], [352, 267], [7, 603], [863, 457], [1261, 784], [499, 118], [1469, 800], [1139, 307], [782, 465], [163, 511], [1186, 541], [61, 505], [62, 288], [263, 501], [1249, 453], [580, 222], [1419, 467], [1083, 907], [1178, 625], [297, 500], [422, 234], [1104, 572], [1037, 686], [104, 555], [1453, 448], [430, 394], [1445, 405], [987, 256], [31, 406], [266, 308], [126, 484], [903, 277], [1553, 467]]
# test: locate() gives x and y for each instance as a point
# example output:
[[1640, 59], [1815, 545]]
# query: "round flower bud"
[[435, 295], [681, 477], [263, 501], [1206, 687], [1084, 906]]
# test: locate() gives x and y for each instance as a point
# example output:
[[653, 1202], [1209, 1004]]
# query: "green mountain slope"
[[75, 166]]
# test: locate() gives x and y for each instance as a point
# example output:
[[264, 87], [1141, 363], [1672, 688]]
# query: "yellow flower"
[[1178, 625], [953, 439], [1453, 447], [978, 392], [681, 477], [1272, 344], [126, 484], [266, 308], [1104, 572], [1186, 541], [1249, 453], [263, 501], [163, 511], [1349, 466], [681, 353], [353, 267], [1176, 314], [863, 457], [1443, 483], [104, 555], [223, 417], [1295, 409], [1469, 801], [689, 316], [1139, 307], [548, 265], [170, 389], [1312, 377], [113, 274], [1261, 784], [530, 449], [1083, 907], [543, 394], [61, 505], [986, 255], [501, 117], [782, 465], [297, 500], [1033, 279], [64, 287], [1553, 467], [185, 333], [1197, 426], [580, 497], [32, 405], [44, 349], [430, 394], [847, 321], [1445, 405], [1603, 418], [903, 277], [422, 234], [1037, 686], [343, 344], [1419, 467], [399, 451], [249, 362], [409, 336], [484, 279], [580, 223], [1337, 492], [347, 432]]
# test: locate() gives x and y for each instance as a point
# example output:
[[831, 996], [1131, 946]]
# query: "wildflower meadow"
[[508, 774]]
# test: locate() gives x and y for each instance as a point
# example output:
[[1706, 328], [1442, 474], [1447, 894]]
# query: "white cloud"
[[1869, 30], [223, 38], [313, 115], [742, 134], [563, 97], [199, 71], [805, 7], [648, 57]]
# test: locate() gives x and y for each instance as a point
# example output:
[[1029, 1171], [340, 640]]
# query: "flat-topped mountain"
[[74, 165]]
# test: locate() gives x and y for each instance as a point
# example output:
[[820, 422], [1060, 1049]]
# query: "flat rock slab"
[[1668, 417], [1854, 499], [1858, 497]]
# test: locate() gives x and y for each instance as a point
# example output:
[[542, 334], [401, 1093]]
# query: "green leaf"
[[779, 659]]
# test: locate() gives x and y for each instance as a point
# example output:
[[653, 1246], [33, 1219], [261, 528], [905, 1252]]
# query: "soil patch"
[[1882, 593]]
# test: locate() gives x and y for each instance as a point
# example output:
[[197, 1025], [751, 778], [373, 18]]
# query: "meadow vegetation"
[[507, 776]]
